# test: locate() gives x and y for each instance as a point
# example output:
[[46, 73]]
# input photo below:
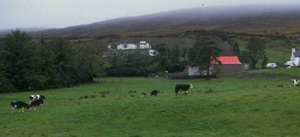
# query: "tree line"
[[28, 65]]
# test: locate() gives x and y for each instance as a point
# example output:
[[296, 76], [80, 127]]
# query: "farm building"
[[229, 64], [294, 60], [128, 48], [142, 46]]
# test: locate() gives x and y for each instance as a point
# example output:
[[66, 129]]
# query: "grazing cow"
[[36, 100], [183, 87], [17, 105], [154, 92], [143, 94], [295, 82]]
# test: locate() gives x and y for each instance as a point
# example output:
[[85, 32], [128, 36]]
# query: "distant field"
[[254, 103]]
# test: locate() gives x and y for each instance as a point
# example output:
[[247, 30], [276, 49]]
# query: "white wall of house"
[[193, 71], [126, 46], [130, 46], [143, 45], [294, 61]]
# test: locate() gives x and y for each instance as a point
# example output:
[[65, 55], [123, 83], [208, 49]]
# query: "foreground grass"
[[226, 106]]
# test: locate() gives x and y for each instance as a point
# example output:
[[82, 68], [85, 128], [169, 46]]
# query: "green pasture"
[[254, 103]]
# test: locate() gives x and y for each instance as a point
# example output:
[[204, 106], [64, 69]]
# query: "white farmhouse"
[[143, 45], [295, 59], [129, 46]]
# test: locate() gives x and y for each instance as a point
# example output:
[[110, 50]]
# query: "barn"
[[229, 64]]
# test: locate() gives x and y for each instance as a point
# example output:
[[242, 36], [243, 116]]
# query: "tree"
[[162, 59], [235, 48], [175, 54], [256, 49], [244, 57], [204, 53], [64, 62], [265, 61], [184, 52], [89, 61], [22, 62], [47, 66], [5, 84]]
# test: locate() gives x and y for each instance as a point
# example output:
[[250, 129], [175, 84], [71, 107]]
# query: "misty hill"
[[246, 19]]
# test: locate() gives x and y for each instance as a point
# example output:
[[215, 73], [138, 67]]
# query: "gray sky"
[[63, 13]]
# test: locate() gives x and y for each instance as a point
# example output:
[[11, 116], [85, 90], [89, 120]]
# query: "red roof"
[[229, 60]]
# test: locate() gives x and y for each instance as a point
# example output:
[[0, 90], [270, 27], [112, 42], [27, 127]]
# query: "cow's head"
[[191, 86], [294, 81], [31, 97]]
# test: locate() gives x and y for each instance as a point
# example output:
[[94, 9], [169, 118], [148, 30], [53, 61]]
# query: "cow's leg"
[[12, 109], [176, 91], [186, 92], [22, 109], [42, 106]]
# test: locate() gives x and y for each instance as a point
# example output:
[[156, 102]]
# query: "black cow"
[[36, 100], [183, 87], [17, 105], [154, 92]]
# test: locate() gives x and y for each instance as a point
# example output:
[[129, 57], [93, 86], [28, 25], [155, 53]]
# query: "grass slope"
[[255, 103]]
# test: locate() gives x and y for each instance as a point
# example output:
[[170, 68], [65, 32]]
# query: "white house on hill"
[[142, 46], [128, 46]]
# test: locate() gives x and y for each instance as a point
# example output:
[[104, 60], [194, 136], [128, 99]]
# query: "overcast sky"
[[63, 13]]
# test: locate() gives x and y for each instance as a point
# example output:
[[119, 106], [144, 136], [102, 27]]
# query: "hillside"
[[242, 19]]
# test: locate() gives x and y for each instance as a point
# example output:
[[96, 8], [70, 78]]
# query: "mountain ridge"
[[255, 19]]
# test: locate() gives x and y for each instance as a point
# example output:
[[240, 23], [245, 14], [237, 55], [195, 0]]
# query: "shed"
[[229, 64]]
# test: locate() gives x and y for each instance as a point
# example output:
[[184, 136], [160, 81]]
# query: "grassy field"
[[254, 103]]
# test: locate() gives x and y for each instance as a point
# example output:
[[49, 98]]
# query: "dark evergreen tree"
[[22, 62], [162, 59], [5, 84], [203, 53], [64, 62], [175, 54], [245, 57], [236, 49]]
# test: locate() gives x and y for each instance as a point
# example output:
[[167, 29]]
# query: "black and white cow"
[[18, 105], [36, 100], [295, 82], [154, 92], [183, 87]]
